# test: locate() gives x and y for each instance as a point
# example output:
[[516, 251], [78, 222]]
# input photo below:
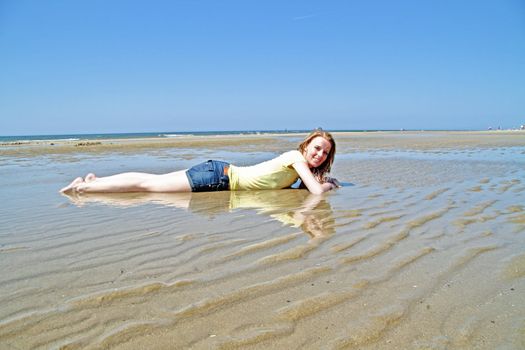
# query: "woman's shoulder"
[[291, 157]]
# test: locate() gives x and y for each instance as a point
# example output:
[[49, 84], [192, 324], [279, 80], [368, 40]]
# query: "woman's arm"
[[309, 179]]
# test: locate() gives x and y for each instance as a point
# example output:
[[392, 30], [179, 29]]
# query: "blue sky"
[[145, 66]]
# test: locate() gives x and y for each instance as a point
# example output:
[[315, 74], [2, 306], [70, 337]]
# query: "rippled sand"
[[422, 249]]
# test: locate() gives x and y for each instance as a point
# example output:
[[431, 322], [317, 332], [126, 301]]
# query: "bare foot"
[[90, 177], [72, 185]]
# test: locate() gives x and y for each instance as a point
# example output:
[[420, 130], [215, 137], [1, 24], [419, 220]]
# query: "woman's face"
[[317, 151]]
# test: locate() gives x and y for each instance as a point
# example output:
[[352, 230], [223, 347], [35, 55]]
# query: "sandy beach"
[[423, 247]]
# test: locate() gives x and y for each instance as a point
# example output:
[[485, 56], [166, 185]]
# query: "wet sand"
[[347, 142], [423, 248]]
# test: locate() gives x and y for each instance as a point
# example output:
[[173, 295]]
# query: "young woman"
[[311, 162]]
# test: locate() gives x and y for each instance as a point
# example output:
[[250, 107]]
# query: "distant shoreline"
[[347, 142], [27, 139]]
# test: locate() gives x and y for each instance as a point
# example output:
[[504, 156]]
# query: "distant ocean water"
[[76, 137]]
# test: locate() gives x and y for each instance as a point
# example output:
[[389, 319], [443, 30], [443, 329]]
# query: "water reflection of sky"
[[503, 154]]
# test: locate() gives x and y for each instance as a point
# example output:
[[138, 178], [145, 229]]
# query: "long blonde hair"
[[323, 169]]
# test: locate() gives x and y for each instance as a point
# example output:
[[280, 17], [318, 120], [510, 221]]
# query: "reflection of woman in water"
[[312, 214], [311, 163], [300, 209]]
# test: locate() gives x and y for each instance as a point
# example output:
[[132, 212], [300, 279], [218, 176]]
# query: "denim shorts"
[[209, 176]]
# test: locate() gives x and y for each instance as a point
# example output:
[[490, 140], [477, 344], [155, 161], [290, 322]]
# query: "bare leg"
[[132, 182]]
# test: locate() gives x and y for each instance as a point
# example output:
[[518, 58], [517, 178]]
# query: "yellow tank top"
[[273, 174]]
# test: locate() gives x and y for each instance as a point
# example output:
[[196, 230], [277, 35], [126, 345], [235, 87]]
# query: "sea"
[[133, 135]]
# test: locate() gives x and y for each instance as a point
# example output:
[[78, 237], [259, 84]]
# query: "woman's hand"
[[333, 181], [312, 182]]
